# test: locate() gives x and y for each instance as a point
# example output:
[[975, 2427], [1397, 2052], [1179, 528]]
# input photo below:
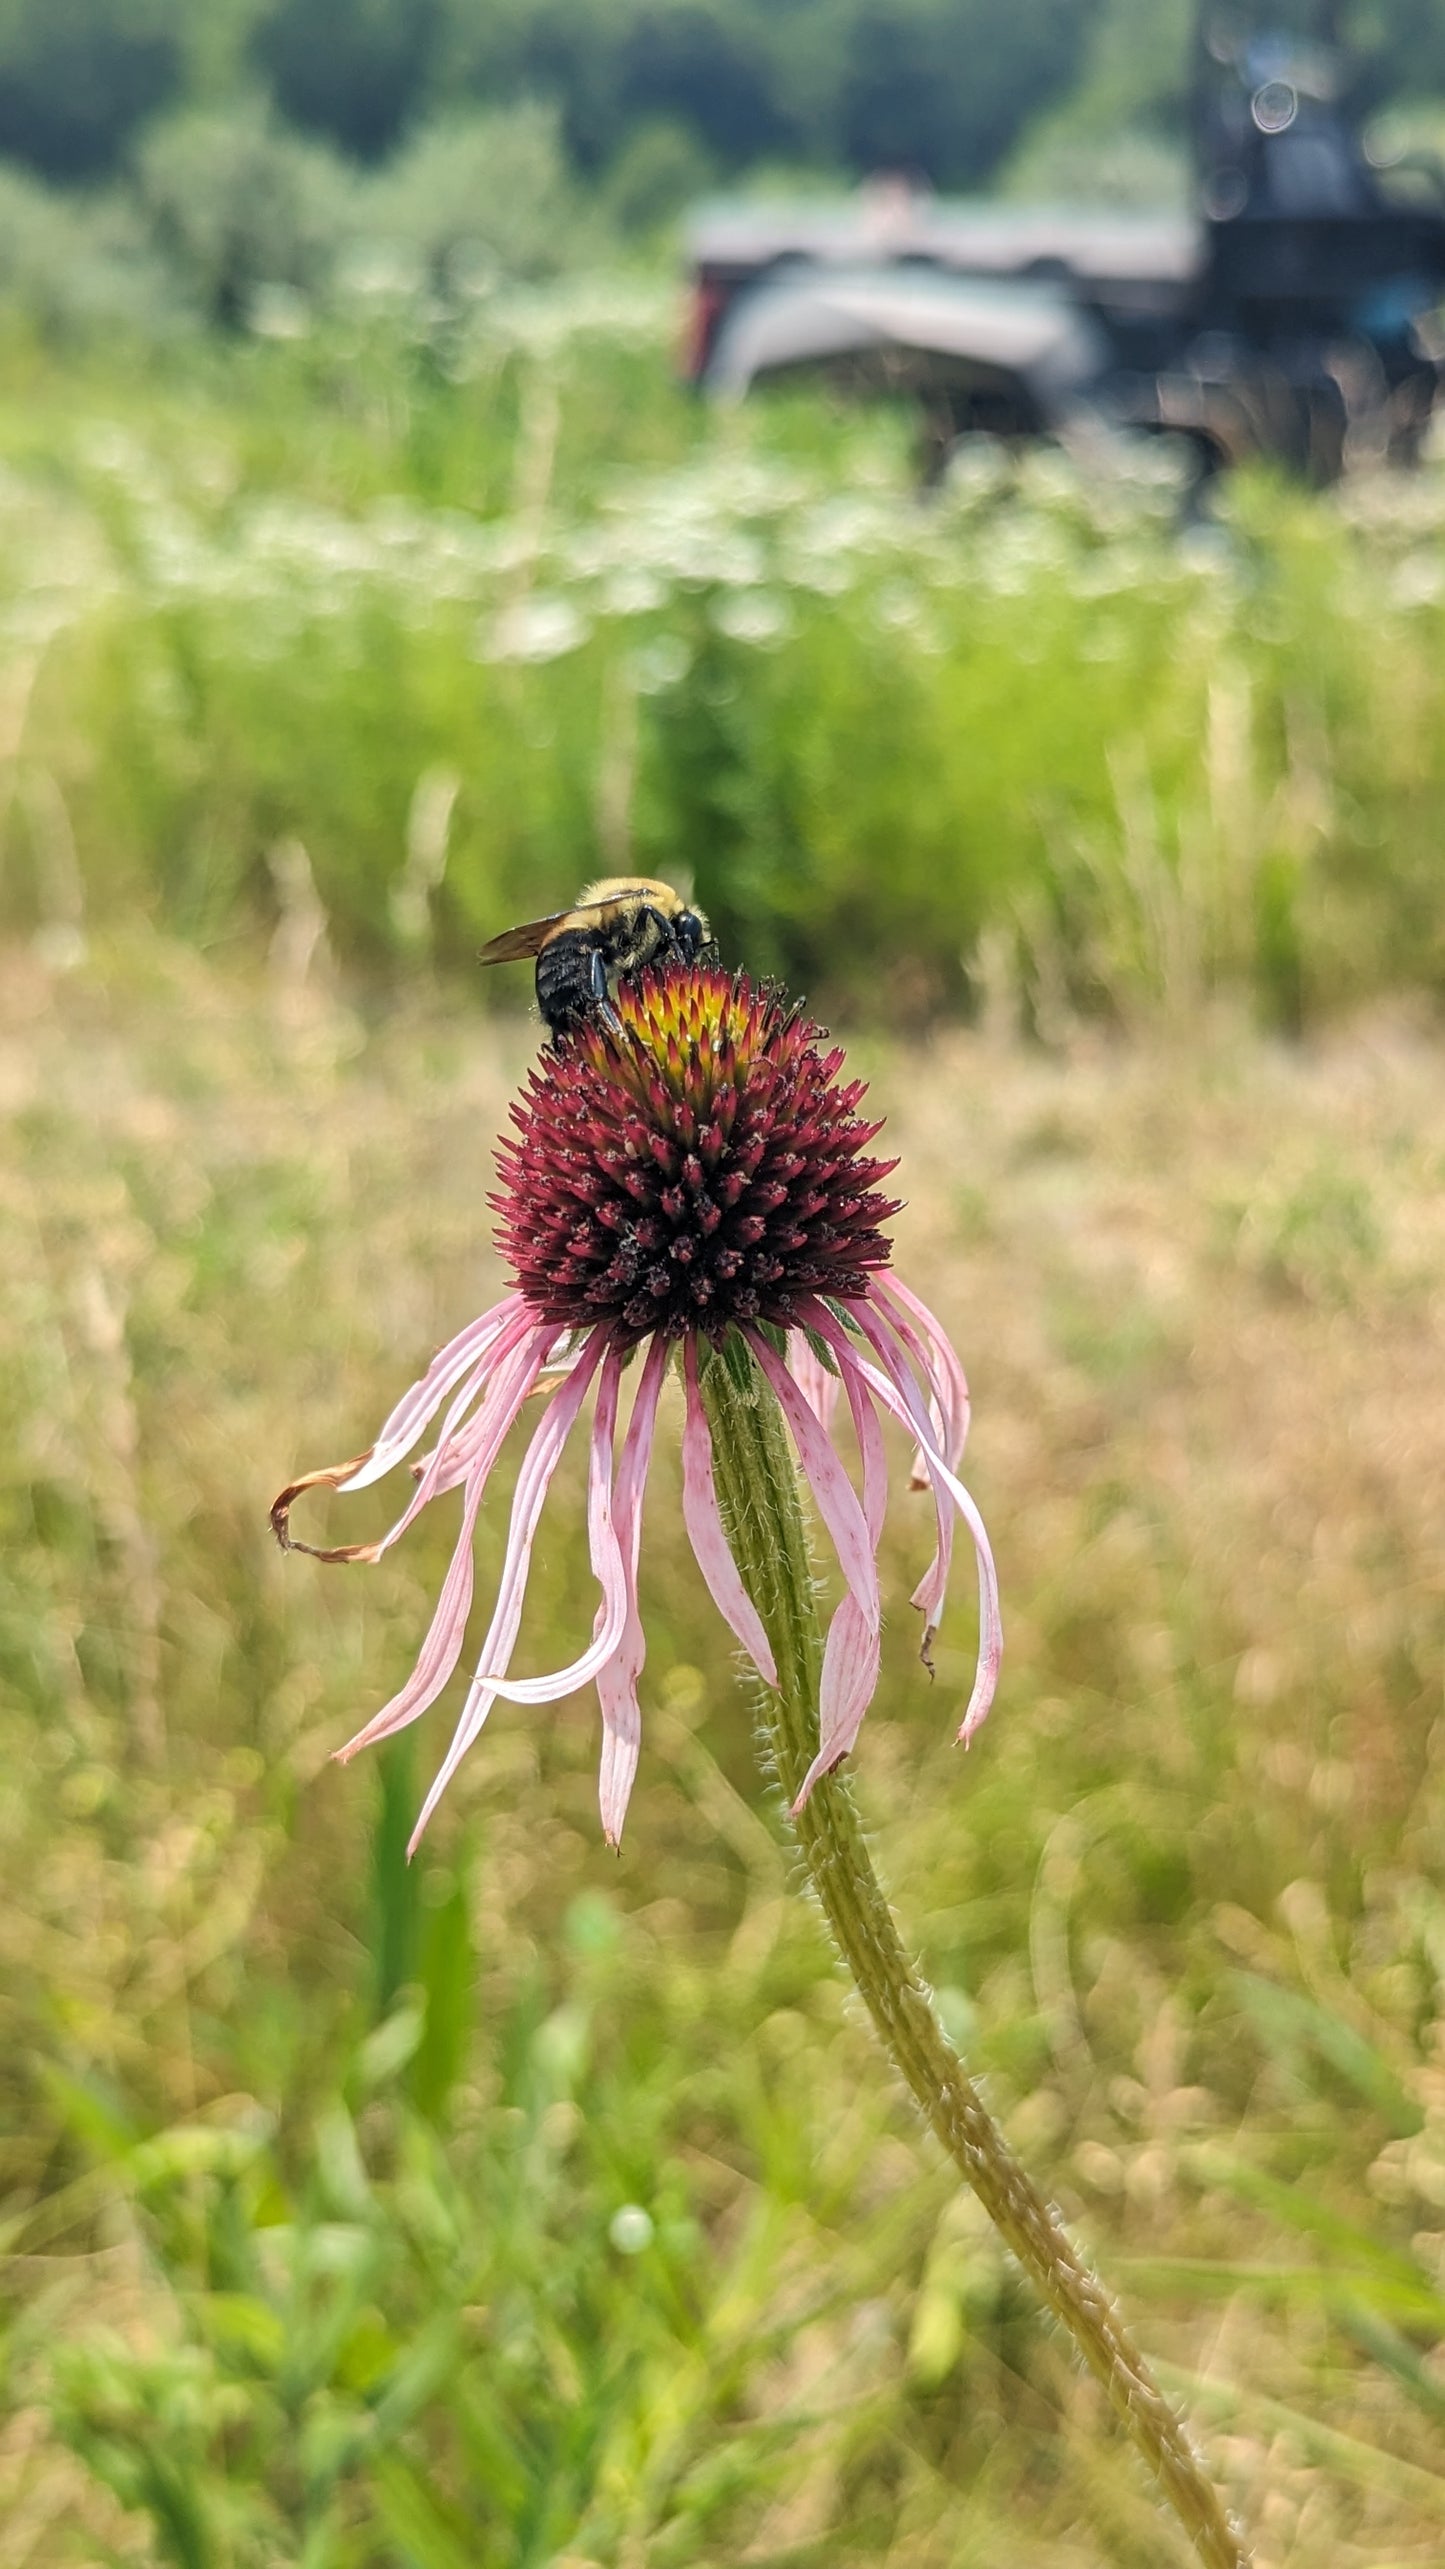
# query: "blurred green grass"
[[427, 625], [534, 2205]]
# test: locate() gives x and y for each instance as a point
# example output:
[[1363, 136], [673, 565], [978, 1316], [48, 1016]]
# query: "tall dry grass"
[[539, 2206]]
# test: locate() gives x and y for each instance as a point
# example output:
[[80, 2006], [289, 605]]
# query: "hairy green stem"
[[758, 1494]]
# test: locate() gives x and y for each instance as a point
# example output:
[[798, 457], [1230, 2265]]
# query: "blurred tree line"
[[169, 162], [946, 88]]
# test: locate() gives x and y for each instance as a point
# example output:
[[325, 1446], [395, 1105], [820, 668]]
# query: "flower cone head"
[[702, 1165]]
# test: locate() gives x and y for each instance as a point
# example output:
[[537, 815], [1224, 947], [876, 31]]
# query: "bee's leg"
[[602, 997]]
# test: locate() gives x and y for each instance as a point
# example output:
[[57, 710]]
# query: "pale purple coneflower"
[[701, 1173], [693, 1181]]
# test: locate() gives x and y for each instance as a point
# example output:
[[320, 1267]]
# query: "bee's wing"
[[515, 944]]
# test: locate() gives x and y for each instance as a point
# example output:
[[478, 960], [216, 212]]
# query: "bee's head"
[[692, 934]]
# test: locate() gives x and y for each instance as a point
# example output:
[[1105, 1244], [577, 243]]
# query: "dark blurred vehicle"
[[1298, 314]]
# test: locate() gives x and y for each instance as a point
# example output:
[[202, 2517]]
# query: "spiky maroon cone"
[[705, 1168]]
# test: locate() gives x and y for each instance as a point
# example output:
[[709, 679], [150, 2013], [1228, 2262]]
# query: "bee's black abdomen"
[[571, 978]]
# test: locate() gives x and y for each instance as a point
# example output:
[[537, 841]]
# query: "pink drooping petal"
[[936, 1404], [932, 1588], [873, 1455], [891, 1384], [931, 1594], [417, 1407], [934, 1583], [533, 1481], [837, 1502], [852, 1657], [819, 1387], [464, 1441], [517, 1342], [442, 1647], [899, 1396], [449, 1461], [933, 1351], [617, 1682], [905, 1341], [705, 1528], [607, 1566], [853, 1651]]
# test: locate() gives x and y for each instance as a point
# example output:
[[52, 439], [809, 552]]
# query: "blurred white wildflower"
[[546, 319], [543, 626], [632, 592], [1418, 581], [758, 616], [661, 663]]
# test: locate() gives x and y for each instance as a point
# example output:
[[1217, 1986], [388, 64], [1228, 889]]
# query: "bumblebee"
[[616, 928]]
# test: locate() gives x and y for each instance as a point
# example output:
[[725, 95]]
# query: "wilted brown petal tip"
[[329, 1479]]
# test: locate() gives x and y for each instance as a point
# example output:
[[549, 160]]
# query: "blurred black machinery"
[[1299, 313]]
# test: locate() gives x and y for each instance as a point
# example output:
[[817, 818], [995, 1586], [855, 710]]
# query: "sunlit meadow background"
[[534, 2205]]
